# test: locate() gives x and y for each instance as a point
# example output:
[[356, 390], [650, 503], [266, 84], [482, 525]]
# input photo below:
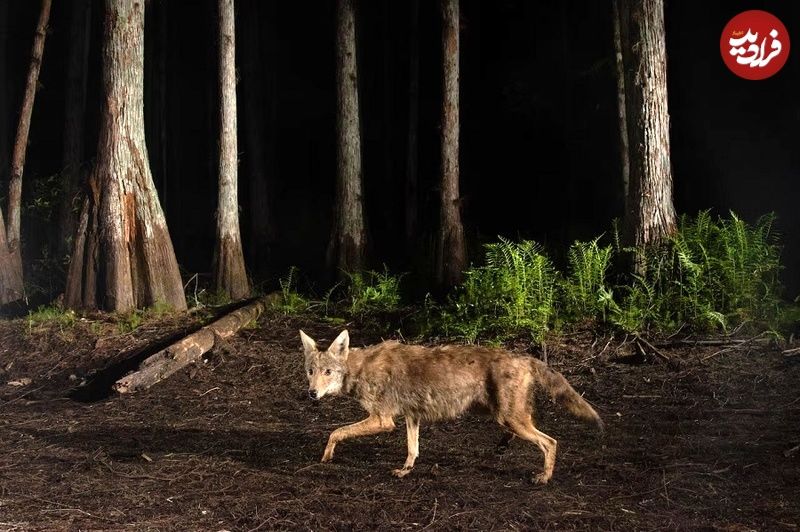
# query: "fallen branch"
[[712, 342], [738, 345], [653, 349], [190, 348], [791, 352]]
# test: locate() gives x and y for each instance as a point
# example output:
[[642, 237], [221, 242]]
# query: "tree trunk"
[[452, 255], [650, 215], [122, 257], [230, 276], [12, 243], [10, 274], [75, 111], [259, 140], [412, 198], [623, 124], [347, 248]]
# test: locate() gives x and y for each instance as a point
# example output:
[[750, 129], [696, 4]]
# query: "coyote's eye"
[[310, 371], [327, 372]]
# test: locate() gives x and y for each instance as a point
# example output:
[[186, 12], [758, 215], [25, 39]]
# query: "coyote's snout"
[[428, 384]]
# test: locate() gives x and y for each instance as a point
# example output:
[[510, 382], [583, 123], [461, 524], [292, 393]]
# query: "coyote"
[[392, 379]]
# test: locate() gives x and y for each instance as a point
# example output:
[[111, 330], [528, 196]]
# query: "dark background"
[[539, 156]]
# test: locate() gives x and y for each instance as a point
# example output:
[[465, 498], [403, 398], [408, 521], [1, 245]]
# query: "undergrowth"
[[513, 292], [291, 301], [130, 321], [371, 292], [712, 275], [51, 314], [716, 274]]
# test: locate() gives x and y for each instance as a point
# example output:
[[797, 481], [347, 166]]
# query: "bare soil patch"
[[234, 443]]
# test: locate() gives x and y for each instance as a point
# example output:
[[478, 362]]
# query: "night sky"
[[539, 132]]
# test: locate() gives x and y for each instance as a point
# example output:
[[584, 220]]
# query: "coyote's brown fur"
[[432, 383]]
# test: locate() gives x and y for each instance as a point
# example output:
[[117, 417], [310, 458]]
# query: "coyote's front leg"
[[412, 431], [372, 425]]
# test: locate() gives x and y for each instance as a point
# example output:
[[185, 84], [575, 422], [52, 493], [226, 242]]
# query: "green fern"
[[370, 292], [291, 301], [585, 287], [514, 292]]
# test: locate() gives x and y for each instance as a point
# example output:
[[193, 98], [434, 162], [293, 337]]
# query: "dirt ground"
[[234, 443]]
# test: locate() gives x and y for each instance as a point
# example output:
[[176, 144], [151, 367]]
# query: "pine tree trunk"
[[259, 127], [75, 111], [412, 198], [621, 115], [230, 276], [347, 249], [452, 256], [122, 257], [13, 243], [650, 215]]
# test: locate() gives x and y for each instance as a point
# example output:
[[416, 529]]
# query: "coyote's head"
[[326, 369]]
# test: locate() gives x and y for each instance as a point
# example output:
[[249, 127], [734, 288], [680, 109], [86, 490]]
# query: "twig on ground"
[[791, 352], [739, 344], [653, 349]]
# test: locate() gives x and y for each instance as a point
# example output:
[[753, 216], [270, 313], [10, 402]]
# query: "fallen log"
[[190, 348]]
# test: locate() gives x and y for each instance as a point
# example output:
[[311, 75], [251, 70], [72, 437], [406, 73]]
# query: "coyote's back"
[[435, 383]]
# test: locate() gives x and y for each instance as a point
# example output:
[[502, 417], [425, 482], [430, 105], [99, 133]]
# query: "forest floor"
[[234, 443]]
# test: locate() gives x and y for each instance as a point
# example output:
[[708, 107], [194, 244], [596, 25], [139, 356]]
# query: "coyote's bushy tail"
[[563, 393]]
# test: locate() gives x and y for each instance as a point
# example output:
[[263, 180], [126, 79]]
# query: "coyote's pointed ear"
[[309, 345], [341, 346]]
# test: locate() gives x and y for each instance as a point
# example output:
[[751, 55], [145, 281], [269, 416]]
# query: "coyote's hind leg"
[[524, 429], [412, 431]]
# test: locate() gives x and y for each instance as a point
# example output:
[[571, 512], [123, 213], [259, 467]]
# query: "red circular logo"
[[754, 44]]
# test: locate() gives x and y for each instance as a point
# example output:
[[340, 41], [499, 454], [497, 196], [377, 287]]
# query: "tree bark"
[[452, 255], [13, 243], [229, 273], [347, 248], [75, 112], [650, 215], [259, 129], [10, 274], [621, 115], [122, 257], [412, 198], [189, 349]]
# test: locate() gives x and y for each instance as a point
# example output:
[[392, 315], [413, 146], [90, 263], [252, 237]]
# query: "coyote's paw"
[[400, 473], [327, 456], [541, 478]]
